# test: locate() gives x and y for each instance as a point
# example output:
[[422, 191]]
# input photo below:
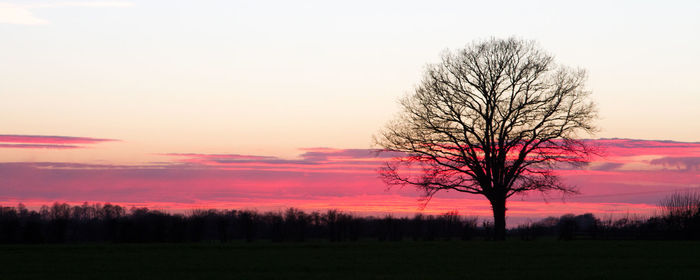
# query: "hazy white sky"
[[269, 77]]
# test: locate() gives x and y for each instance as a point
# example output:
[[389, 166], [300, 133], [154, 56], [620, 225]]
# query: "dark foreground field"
[[359, 260]]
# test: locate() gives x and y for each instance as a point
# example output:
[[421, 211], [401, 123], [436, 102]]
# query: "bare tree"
[[681, 205], [491, 119]]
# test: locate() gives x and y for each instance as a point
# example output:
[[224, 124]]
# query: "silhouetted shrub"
[[681, 214]]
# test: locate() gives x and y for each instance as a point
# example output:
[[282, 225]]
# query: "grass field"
[[360, 260]]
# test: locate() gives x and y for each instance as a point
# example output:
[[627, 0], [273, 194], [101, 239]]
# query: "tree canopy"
[[494, 119]]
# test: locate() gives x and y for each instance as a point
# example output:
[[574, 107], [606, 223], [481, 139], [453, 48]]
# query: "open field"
[[359, 260]]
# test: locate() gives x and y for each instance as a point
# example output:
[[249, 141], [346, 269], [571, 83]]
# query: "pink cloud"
[[38, 146], [46, 142], [322, 178], [7, 138], [312, 160], [618, 147]]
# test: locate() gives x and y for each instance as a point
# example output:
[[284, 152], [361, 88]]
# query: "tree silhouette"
[[491, 119], [681, 212]]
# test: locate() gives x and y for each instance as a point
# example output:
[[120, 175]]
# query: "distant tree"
[[681, 204], [681, 212], [491, 119]]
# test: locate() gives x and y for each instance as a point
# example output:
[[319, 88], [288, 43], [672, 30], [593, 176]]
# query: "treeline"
[[63, 223], [587, 226], [680, 219]]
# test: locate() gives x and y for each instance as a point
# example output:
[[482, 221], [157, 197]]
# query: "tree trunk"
[[499, 219]]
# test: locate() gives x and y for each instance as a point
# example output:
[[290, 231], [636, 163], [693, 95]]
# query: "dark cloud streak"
[[11, 141], [686, 163], [45, 139], [39, 146]]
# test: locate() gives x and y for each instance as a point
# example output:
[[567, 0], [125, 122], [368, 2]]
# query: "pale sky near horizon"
[[273, 76]]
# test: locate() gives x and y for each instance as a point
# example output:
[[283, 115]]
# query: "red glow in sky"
[[629, 179]]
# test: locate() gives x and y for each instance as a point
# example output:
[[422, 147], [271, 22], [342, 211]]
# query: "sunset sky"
[[272, 104]]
